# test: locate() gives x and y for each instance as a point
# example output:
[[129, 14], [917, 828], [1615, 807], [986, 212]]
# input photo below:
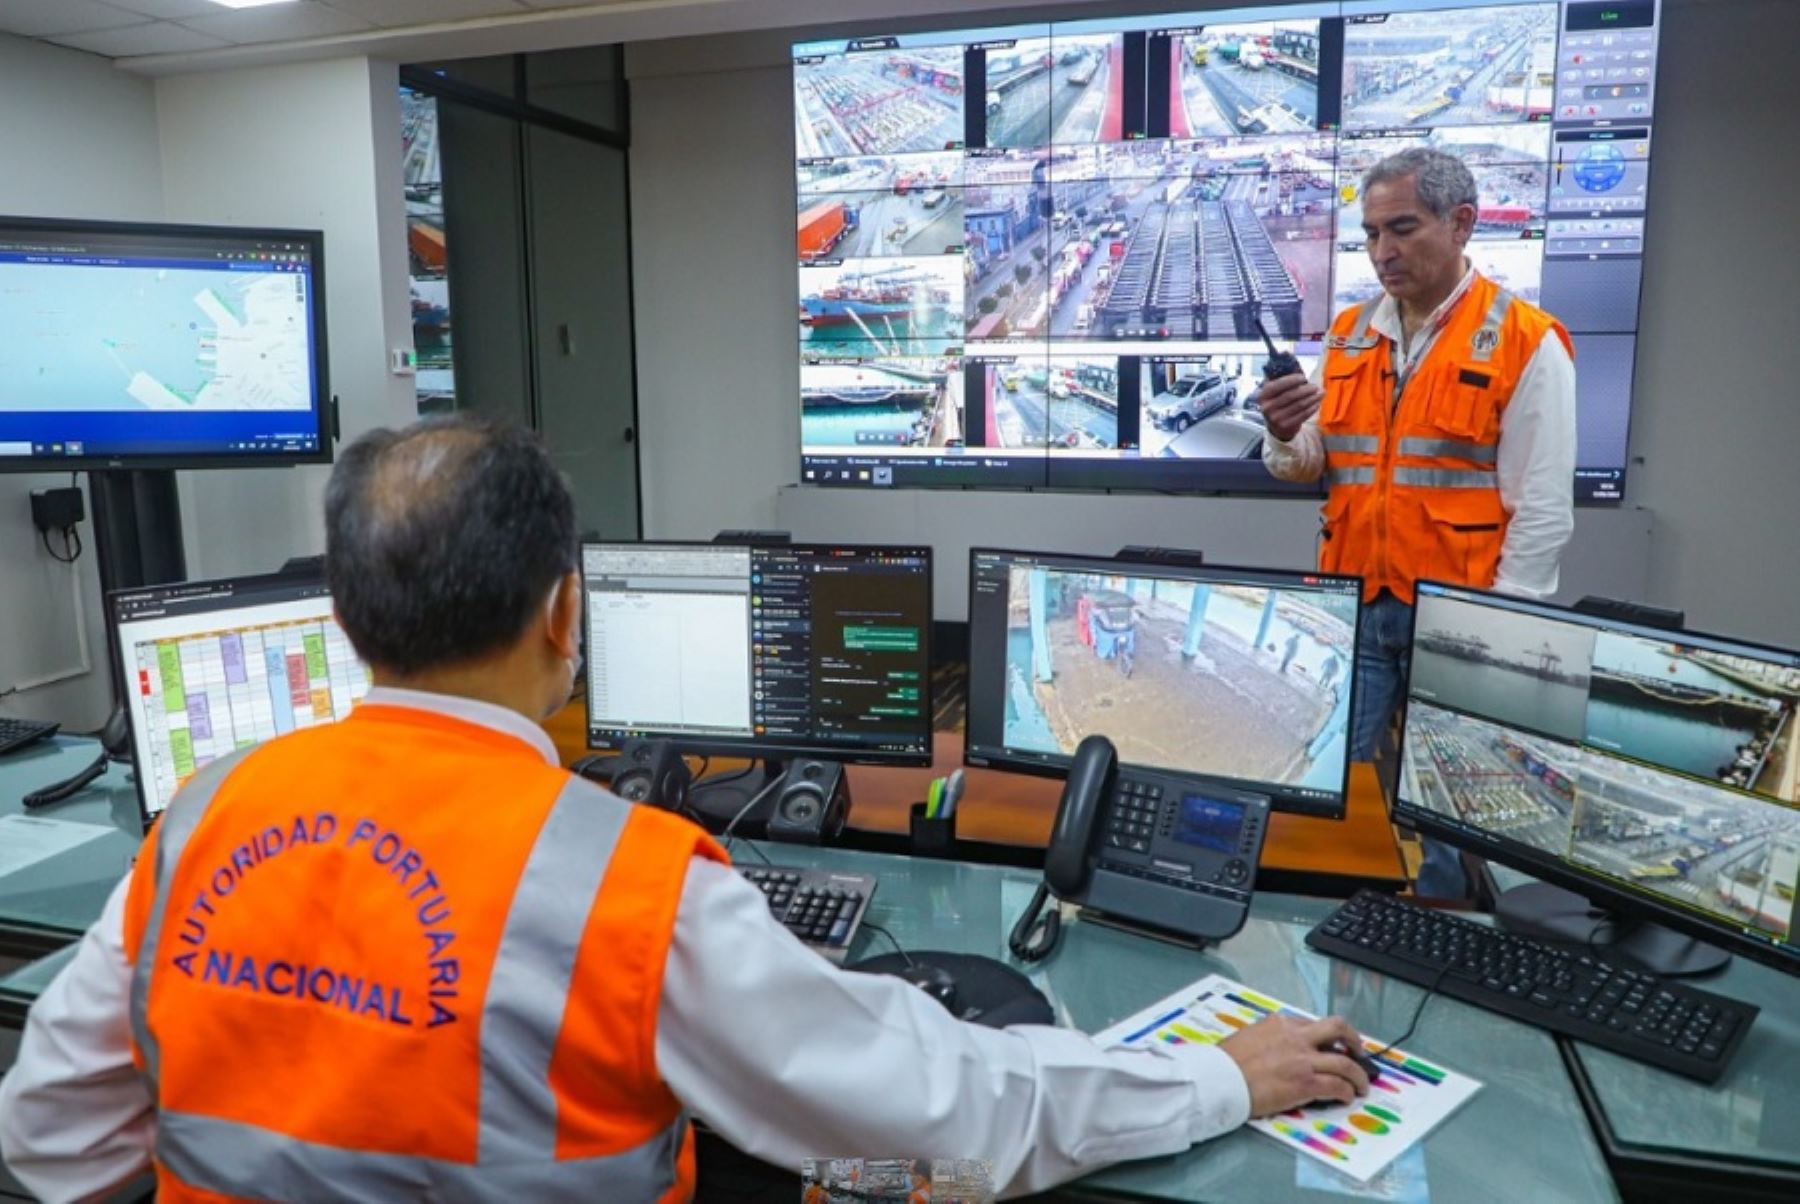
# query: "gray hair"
[[443, 539], [1443, 180]]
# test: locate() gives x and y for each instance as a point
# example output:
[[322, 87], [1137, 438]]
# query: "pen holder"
[[931, 837]]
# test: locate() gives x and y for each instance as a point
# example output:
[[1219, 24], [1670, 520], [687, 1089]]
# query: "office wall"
[[1712, 434], [77, 139], [1716, 433], [314, 145]]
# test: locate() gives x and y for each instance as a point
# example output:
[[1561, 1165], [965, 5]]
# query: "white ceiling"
[[127, 28], [169, 37]]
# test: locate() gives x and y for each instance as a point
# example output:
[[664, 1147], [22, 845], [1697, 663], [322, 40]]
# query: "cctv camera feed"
[[880, 206], [1205, 407], [1668, 763], [1229, 678], [900, 404], [1191, 180], [1254, 78]]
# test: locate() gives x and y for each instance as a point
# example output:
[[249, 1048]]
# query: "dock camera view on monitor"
[[1236, 675], [791, 649], [1141, 190], [1662, 765], [160, 346]]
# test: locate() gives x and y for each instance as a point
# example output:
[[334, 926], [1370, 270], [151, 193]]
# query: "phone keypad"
[[1135, 816]]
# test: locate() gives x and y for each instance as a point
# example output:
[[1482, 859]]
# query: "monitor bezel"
[[1594, 888], [756, 748], [304, 580], [323, 412], [1057, 766]]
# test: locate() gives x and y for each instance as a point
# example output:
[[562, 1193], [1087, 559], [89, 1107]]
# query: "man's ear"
[[563, 615], [1462, 219]]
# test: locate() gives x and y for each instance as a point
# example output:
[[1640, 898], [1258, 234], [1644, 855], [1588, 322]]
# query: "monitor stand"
[[1538, 909]]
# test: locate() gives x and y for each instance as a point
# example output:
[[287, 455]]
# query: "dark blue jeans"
[[1383, 653]]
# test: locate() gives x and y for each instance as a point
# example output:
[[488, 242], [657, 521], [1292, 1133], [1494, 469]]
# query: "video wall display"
[[1053, 215], [1667, 762]]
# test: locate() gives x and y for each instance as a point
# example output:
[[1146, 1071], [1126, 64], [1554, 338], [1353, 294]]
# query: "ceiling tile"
[[278, 23], [168, 10], [46, 18], [157, 37], [393, 14]]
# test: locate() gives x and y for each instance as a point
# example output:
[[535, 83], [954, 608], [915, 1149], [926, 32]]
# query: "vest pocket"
[[1467, 528], [1340, 383], [1466, 401]]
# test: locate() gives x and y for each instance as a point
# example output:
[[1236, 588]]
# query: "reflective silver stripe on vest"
[[1480, 453], [1354, 445], [1487, 337], [520, 1022], [533, 967], [250, 1162], [1359, 339], [1446, 478], [177, 825], [1361, 475]]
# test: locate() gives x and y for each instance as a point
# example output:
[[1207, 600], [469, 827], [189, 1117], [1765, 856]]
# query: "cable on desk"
[[874, 927], [1417, 1012], [725, 836]]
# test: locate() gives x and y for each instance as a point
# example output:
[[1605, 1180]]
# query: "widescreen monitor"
[[1037, 255], [769, 651], [1654, 772], [155, 346], [1229, 675], [214, 666]]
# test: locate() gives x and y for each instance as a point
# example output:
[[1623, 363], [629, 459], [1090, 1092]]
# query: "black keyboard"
[[1563, 988], [17, 733], [821, 907]]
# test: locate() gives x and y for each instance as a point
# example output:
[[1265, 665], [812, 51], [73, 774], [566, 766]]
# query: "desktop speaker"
[[651, 772], [813, 802]]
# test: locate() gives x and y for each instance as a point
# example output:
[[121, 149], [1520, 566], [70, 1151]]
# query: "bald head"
[[443, 540]]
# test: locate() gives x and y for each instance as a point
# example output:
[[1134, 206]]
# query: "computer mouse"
[[1356, 1054], [1360, 1056], [935, 981]]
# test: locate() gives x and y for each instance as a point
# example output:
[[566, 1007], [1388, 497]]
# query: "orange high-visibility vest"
[[1413, 490], [401, 957]]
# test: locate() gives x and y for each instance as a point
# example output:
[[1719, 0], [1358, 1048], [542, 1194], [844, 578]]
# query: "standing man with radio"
[[408, 956], [1443, 422]]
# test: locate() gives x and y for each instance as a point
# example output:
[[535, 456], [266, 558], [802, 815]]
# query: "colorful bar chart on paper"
[[1408, 1095]]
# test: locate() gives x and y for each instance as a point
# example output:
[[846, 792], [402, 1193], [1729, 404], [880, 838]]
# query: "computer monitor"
[[155, 346], [1656, 773], [215, 666], [766, 651], [1231, 675]]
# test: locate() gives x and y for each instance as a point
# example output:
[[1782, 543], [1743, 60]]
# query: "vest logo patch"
[[373, 852], [1486, 339]]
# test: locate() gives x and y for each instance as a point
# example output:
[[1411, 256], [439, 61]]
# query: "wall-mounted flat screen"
[[1038, 255]]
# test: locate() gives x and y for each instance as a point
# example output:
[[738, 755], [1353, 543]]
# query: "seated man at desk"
[[407, 956]]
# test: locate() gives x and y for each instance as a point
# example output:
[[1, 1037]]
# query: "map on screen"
[[154, 338]]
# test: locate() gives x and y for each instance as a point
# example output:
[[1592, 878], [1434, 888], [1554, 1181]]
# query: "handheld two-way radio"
[[1279, 363]]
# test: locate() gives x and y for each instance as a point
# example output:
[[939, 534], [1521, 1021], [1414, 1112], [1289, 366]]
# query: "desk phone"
[[1153, 850]]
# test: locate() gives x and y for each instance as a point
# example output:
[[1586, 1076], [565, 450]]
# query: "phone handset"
[[1070, 857]]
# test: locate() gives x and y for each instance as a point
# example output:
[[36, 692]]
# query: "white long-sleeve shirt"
[[775, 1048], [1536, 461]]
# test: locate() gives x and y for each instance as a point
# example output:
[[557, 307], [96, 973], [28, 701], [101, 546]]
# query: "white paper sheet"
[[1407, 1099], [26, 840]]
